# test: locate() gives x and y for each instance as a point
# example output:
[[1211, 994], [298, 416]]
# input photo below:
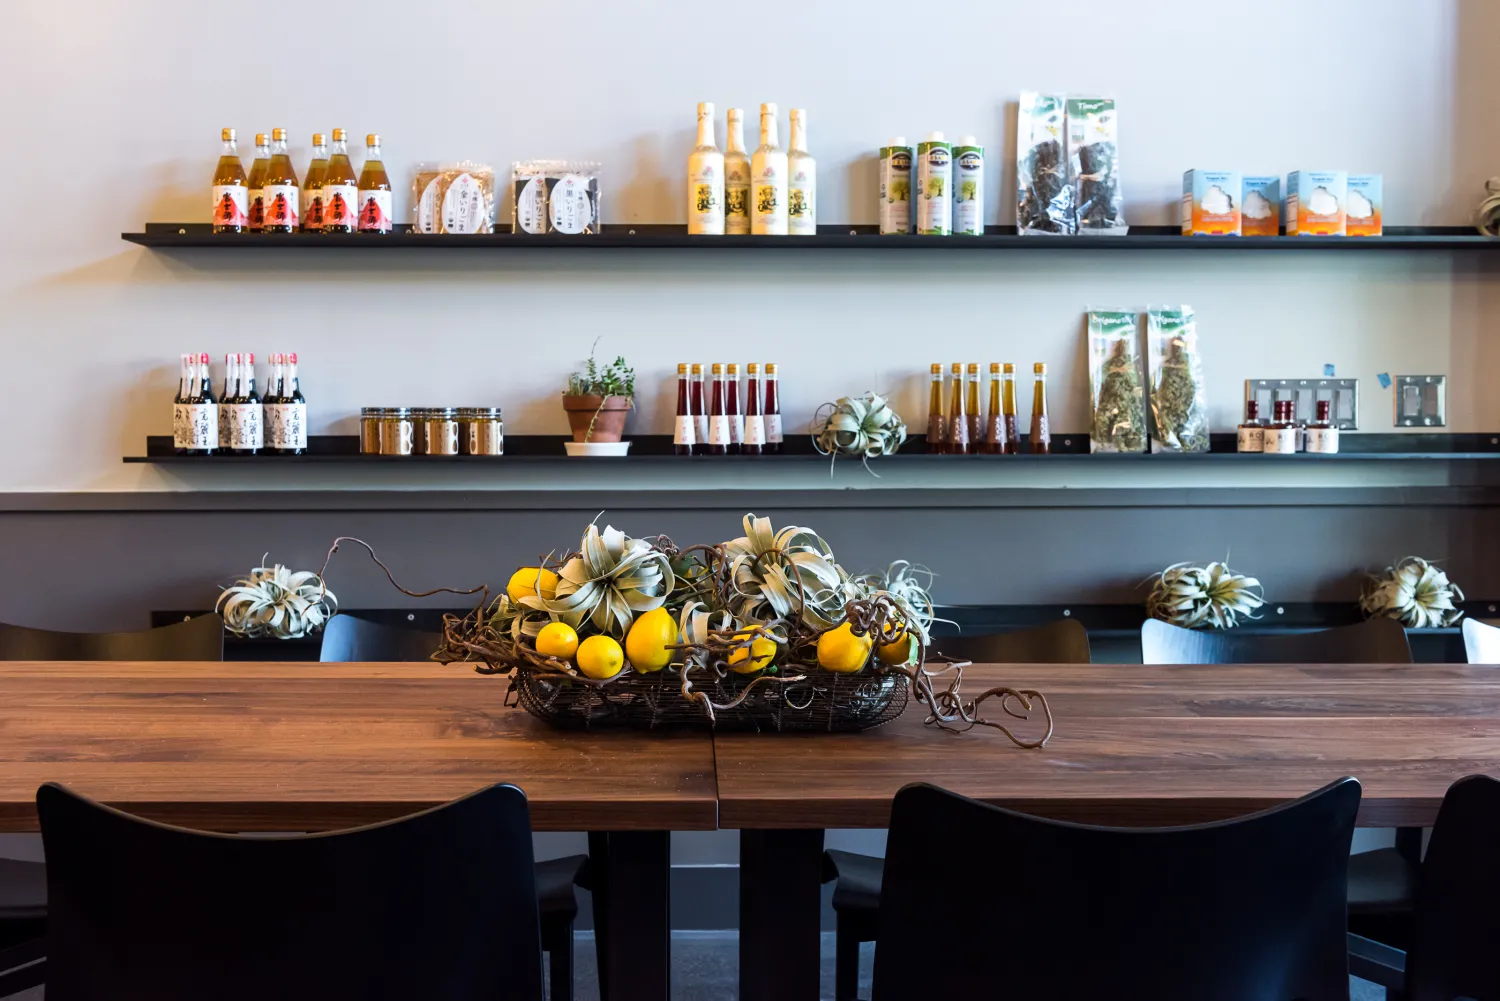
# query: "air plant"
[[276, 602], [790, 574], [1195, 597], [909, 586], [608, 582], [1415, 593], [863, 426]]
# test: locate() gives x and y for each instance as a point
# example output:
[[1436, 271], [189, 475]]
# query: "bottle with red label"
[[258, 177], [374, 191], [312, 186], [340, 189], [684, 431], [772, 415], [280, 193], [231, 189]]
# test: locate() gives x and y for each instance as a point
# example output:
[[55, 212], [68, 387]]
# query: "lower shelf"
[[658, 448]]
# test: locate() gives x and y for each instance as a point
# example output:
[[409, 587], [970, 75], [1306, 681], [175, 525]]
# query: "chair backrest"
[[1481, 642], [348, 639], [440, 906], [199, 638], [1452, 947], [1374, 641], [1251, 909], [1065, 641]]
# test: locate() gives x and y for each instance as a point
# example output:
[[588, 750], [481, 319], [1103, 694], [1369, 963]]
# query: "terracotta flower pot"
[[605, 413]]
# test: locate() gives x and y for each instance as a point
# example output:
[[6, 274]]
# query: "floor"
[[704, 965]]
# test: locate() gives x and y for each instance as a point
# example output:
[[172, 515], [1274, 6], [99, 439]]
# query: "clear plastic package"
[[1044, 200], [556, 196], [454, 198], [1115, 383], [1179, 407]]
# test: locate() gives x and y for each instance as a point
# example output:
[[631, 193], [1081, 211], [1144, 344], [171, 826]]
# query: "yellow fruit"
[[755, 657], [557, 639], [841, 651], [600, 657], [901, 651], [646, 643], [531, 581]]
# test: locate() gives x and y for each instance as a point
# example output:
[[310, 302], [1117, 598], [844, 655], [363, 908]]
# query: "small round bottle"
[[1280, 437], [1252, 433], [1323, 433]]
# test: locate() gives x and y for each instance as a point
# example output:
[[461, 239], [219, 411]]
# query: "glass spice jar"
[[369, 429], [397, 435], [436, 430], [482, 431]]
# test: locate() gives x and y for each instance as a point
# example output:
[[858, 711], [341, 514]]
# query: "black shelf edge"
[[521, 449], [168, 236]]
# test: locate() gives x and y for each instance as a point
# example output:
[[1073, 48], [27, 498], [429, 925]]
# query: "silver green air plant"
[[276, 602], [1199, 597], [1413, 592], [611, 579], [866, 427], [790, 574]]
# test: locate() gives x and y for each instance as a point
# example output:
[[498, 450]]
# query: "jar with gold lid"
[[436, 430], [397, 434], [482, 431]]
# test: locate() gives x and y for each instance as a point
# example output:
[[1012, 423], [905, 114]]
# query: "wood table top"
[[1140, 745], [293, 747]]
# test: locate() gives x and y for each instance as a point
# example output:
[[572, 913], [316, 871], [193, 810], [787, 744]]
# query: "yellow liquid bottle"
[[280, 193]]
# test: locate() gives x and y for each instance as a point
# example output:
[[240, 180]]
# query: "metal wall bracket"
[[1342, 394], [1421, 401]]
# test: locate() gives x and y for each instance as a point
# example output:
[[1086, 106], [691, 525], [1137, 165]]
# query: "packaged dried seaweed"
[[1044, 201], [1115, 383], [1094, 166], [1179, 407]]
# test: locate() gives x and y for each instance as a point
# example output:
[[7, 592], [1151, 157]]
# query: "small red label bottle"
[[772, 416], [684, 432]]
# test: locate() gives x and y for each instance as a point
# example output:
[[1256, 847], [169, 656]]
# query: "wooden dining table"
[[1132, 746], [306, 747]]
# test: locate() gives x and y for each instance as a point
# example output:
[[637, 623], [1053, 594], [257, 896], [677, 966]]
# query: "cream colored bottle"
[[706, 179], [768, 180], [802, 181], [736, 177]]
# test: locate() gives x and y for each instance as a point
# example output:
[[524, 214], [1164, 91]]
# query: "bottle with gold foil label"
[[706, 179], [736, 177], [768, 179]]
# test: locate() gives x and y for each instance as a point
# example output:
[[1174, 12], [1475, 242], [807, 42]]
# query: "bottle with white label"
[[1280, 436], [719, 428], [895, 187], [340, 189], [249, 419], [203, 412], [753, 441], [706, 179], [231, 191], [684, 428], [772, 414], [374, 191], [802, 181], [1252, 433], [185, 372], [312, 186], [768, 179], [226, 406], [934, 195], [734, 408], [968, 187], [286, 411], [698, 407], [275, 377], [736, 177], [281, 196], [1323, 433], [258, 169]]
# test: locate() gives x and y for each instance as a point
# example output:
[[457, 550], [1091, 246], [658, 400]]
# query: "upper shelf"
[[619, 236]]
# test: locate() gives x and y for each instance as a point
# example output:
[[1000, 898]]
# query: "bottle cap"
[[973, 367], [1008, 367], [753, 368], [705, 108], [735, 114], [994, 367], [770, 368], [799, 115], [734, 368], [1325, 408], [260, 138], [373, 139], [278, 135], [768, 109], [339, 135], [317, 138], [934, 137], [203, 358], [228, 135], [937, 368], [897, 141], [1040, 368], [958, 367], [718, 368], [697, 369], [250, 358], [967, 141], [292, 357], [682, 368]]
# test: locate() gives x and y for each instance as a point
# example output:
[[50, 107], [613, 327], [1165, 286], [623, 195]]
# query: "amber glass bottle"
[[231, 192], [281, 193], [971, 409], [1041, 434], [257, 178], [374, 191], [1012, 425], [312, 186], [340, 189], [937, 420], [958, 420], [994, 431]]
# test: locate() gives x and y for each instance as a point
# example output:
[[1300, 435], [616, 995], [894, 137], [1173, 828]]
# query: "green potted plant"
[[598, 399]]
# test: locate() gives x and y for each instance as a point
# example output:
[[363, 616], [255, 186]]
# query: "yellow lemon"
[[841, 651], [600, 657], [902, 650], [531, 581], [755, 657], [646, 643], [557, 639]]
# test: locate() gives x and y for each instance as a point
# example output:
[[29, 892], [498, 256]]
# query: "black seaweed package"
[[1044, 200], [1094, 166]]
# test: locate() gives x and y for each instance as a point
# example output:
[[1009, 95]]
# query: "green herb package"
[[1115, 383], [1179, 408]]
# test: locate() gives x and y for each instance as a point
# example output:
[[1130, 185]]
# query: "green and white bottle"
[[934, 186]]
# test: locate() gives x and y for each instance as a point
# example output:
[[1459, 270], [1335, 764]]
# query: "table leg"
[[632, 915], [780, 897]]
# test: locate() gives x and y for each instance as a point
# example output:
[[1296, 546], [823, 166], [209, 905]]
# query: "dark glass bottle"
[[683, 432], [772, 415], [755, 422]]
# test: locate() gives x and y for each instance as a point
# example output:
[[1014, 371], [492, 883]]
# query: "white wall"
[[112, 112]]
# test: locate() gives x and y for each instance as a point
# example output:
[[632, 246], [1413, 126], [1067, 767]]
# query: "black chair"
[[1451, 953], [980, 902], [440, 906], [23, 885], [349, 639], [856, 891], [1374, 641], [1481, 642], [1382, 883], [200, 638]]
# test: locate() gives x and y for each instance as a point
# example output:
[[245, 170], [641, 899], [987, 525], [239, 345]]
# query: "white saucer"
[[597, 448]]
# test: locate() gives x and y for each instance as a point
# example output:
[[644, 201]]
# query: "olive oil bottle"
[[280, 192], [257, 179], [312, 186], [374, 191], [340, 189], [231, 190]]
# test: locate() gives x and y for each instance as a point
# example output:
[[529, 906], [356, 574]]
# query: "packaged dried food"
[[556, 196], [1115, 383], [453, 198], [1044, 201], [1094, 166], [1179, 408]]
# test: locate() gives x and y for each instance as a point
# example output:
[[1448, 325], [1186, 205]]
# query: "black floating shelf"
[[168, 236], [521, 449]]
